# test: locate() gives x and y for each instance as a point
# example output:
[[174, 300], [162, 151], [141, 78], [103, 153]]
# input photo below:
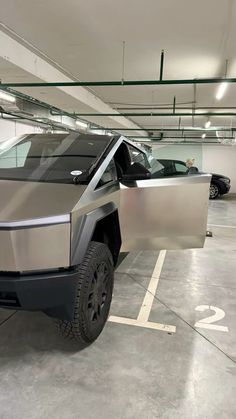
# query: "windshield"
[[50, 157]]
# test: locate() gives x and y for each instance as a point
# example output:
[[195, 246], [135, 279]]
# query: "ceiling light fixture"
[[221, 91], [223, 86], [81, 124], [7, 98], [203, 135], [208, 124]]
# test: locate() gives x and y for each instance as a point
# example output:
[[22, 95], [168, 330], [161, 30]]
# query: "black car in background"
[[220, 184]]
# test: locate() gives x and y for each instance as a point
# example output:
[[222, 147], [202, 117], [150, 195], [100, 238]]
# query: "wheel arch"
[[100, 225]]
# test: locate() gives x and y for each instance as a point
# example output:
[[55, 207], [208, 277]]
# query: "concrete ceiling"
[[86, 40]]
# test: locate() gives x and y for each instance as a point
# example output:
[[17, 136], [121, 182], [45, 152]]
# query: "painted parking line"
[[151, 290], [147, 325], [145, 310]]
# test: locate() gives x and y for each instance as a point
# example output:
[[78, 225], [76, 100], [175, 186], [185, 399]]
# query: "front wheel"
[[214, 191], [93, 296]]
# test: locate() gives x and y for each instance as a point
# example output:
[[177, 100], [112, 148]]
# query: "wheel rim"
[[98, 293], [213, 191]]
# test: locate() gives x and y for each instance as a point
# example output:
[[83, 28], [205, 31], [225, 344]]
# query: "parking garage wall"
[[220, 159], [209, 158], [9, 129]]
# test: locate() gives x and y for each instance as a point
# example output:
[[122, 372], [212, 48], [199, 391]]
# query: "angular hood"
[[20, 200]]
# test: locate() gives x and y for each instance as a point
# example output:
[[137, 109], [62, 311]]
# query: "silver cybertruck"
[[69, 203]]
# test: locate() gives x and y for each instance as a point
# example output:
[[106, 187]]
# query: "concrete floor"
[[133, 372]]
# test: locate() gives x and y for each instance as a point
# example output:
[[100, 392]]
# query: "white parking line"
[[144, 313], [148, 325], [152, 287]]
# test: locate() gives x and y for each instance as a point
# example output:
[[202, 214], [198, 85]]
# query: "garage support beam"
[[17, 54]]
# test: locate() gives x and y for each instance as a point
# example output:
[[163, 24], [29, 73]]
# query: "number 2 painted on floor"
[[207, 323]]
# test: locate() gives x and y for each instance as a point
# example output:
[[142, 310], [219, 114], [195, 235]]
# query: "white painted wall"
[[9, 129], [209, 158], [179, 152], [222, 160]]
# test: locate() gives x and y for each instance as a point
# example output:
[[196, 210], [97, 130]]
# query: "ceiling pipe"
[[158, 114], [170, 107], [41, 107], [167, 129], [178, 138], [162, 65], [49, 124], [188, 142], [174, 105], [211, 80]]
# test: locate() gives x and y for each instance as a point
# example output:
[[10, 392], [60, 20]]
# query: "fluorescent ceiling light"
[[203, 135], [81, 124], [221, 91], [7, 98], [200, 111], [91, 131], [208, 124]]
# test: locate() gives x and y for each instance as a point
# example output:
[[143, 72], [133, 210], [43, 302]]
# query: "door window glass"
[[110, 174], [16, 156], [181, 168], [138, 156]]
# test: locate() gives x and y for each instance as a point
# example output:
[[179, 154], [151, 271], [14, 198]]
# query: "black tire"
[[214, 191], [93, 297]]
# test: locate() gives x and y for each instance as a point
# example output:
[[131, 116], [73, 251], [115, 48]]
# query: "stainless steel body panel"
[[165, 214], [21, 200], [36, 248], [35, 224], [91, 200], [42, 224], [154, 214]]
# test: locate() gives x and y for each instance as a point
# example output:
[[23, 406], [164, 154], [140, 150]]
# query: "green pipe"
[[137, 114], [170, 107], [161, 65], [212, 80], [174, 103], [177, 138], [164, 129]]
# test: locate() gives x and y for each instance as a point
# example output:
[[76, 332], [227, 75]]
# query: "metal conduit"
[[212, 80], [177, 138], [157, 114], [165, 129]]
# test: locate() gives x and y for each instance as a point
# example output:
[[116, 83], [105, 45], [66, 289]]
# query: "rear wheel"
[[214, 191], [93, 298]]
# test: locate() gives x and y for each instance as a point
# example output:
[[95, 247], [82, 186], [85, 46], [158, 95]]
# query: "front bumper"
[[51, 292]]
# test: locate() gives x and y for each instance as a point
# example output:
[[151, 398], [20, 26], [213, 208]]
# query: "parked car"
[[220, 184], [69, 203]]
